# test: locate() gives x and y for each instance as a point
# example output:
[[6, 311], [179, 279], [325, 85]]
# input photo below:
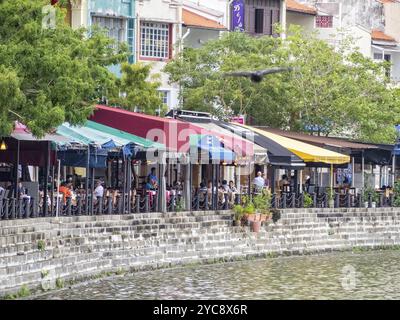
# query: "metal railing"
[[11, 208]]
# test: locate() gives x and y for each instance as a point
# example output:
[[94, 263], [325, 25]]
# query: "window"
[[155, 40], [388, 58], [164, 96], [116, 27], [324, 21], [378, 56], [259, 21]]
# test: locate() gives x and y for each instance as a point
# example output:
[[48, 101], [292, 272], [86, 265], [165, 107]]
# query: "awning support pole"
[[124, 186], [300, 173], [393, 170], [362, 171], [46, 179], [87, 181], [52, 207], [129, 184], [352, 172], [16, 171], [332, 184], [187, 187], [92, 192], [58, 186]]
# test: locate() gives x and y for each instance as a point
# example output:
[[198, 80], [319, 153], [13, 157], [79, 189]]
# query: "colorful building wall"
[[118, 16]]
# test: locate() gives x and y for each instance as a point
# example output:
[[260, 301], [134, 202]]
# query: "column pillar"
[[393, 170]]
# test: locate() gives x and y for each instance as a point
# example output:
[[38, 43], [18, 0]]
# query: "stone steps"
[[88, 245]]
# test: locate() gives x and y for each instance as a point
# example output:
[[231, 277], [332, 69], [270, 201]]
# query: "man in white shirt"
[[99, 191], [259, 181]]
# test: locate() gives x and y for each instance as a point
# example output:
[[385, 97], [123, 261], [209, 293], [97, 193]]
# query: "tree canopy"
[[49, 75], [330, 92], [137, 90]]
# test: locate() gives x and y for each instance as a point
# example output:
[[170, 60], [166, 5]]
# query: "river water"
[[364, 275]]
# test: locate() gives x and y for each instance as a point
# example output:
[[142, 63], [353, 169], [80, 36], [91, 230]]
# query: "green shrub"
[[23, 292], [179, 205], [370, 191], [396, 194], [239, 211], [59, 283], [262, 202], [249, 209], [308, 200], [41, 245]]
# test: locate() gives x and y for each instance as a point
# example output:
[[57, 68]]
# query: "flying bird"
[[258, 76]]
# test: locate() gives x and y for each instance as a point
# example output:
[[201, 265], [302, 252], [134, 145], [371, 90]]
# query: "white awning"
[[387, 48]]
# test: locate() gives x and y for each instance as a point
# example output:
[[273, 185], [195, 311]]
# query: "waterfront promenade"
[[48, 253]]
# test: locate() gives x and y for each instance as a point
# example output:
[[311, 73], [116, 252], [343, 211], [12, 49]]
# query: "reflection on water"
[[373, 275]]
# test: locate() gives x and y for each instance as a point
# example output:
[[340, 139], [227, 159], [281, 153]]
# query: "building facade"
[[373, 24]]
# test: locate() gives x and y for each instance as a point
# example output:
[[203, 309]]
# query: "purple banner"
[[238, 15]]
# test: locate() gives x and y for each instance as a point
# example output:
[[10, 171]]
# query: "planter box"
[[257, 217]]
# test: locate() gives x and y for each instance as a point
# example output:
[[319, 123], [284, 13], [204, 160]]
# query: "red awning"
[[174, 134]]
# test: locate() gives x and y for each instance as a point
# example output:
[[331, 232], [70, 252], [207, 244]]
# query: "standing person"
[[266, 184], [284, 182], [258, 182], [99, 191], [307, 183]]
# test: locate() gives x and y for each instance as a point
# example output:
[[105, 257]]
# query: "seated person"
[[22, 192], [232, 191], [152, 178], [65, 191], [203, 187], [209, 188], [178, 187], [148, 185], [225, 186]]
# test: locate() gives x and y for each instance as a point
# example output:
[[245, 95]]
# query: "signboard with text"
[[238, 15], [239, 119]]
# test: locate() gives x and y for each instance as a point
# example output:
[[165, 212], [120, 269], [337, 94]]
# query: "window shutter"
[[250, 21], [275, 19], [268, 21]]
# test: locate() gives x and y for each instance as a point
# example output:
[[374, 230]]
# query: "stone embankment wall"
[[43, 253]]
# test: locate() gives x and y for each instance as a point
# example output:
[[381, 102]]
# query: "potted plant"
[[262, 204], [369, 191], [239, 213]]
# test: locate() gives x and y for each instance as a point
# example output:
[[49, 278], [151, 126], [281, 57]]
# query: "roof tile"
[[293, 5], [192, 19]]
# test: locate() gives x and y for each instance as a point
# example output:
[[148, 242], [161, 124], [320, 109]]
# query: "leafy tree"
[[137, 89], [50, 75], [332, 91]]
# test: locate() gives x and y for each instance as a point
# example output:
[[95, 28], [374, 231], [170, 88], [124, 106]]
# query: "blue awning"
[[214, 148]]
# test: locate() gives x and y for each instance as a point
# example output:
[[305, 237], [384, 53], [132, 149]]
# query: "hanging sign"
[[238, 15], [239, 119]]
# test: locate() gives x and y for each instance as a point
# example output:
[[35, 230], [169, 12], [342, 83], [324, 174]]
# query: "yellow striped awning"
[[307, 152]]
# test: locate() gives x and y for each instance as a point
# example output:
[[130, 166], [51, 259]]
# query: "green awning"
[[145, 143]]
